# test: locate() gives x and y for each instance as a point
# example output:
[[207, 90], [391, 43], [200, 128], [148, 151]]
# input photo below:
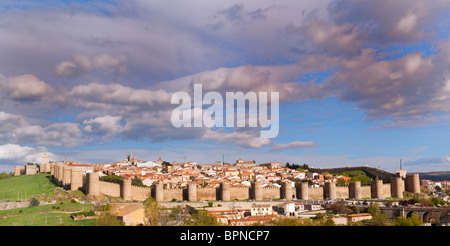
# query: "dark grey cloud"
[[385, 22]]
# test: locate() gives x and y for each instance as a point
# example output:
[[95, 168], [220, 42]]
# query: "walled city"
[[263, 184], [226, 182]]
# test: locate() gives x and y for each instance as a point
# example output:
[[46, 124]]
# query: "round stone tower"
[[159, 192], [302, 190], [286, 190], [329, 190], [192, 192], [66, 176], [225, 191], [60, 173], [257, 191], [397, 187], [76, 179], [376, 189], [52, 168], [56, 176], [354, 190], [93, 184], [125, 189], [413, 183]]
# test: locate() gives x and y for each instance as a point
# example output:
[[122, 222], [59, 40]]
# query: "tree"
[[106, 217], [34, 202], [155, 214], [179, 215], [111, 178], [378, 219], [3, 175], [151, 212], [411, 221], [374, 208], [137, 182], [338, 207], [203, 218]]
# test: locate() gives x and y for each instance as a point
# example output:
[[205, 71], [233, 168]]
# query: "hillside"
[[436, 176], [24, 186], [58, 213]]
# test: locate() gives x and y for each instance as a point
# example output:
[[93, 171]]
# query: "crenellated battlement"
[[270, 187]]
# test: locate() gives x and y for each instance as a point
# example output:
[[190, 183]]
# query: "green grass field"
[[50, 215], [21, 187]]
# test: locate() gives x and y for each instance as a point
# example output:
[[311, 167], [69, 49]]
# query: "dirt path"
[[50, 212]]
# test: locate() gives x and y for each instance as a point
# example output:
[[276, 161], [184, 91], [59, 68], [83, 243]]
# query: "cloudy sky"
[[360, 82]]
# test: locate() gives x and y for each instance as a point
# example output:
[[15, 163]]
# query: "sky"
[[359, 82]]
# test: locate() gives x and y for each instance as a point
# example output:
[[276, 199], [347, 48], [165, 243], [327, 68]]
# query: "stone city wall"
[[205, 194], [94, 187], [342, 192], [110, 189], [239, 193], [365, 191], [315, 193], [270, 193], [140, 193]]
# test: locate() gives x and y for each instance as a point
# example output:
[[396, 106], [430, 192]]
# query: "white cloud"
[[25, 87], [17, 129], [244, 138], [293, 145], [23, 154], [104, 126], [101, 96], [80, 65]]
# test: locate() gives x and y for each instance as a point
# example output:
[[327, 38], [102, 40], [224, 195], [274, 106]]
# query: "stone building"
[[242, 163], [31, 169], [19, 170], [261, 209], [129, 214]]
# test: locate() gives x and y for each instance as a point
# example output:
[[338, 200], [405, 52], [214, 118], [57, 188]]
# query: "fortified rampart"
[[73, 179]]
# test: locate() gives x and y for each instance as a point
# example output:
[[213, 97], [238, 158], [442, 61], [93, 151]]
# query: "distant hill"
[[436, 176]]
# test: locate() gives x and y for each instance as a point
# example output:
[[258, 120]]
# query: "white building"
[[261, 210], [148, 164], [313, 207]]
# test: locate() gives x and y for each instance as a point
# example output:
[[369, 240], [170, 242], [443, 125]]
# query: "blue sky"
[[360, 83]]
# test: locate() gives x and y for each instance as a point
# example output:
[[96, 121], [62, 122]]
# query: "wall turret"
[[93, 184], [302, 190], [329, 190], [376, 189], [413, 183], [355, 190], [125, 189], [192, 192], [225, 191], [76, 179], [159, 192], [257, 191], [397, 187]]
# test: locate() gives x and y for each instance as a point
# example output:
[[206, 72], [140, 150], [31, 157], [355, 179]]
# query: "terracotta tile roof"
[[124, 209]]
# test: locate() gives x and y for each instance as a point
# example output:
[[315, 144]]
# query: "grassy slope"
[[14, 188], [57, 214]]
